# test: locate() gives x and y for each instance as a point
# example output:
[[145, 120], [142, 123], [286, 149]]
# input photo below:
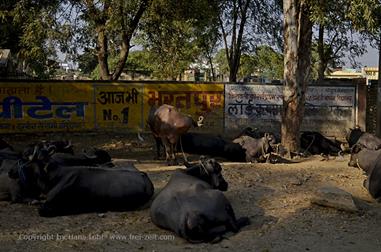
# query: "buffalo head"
[[31, 172], [353, 135], [209, 170], [38, 151], [101, 156]]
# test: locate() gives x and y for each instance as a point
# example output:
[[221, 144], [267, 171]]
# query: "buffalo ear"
[[31, 157], [239, 141]]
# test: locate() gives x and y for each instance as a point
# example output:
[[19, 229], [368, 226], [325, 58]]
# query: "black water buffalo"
[[192, 205], [316, 143], [256, 150], [92, 157], [373, 181], [211, 145], [368, 140], [363, 158], [203, 144], [370, 162], [78, 189]]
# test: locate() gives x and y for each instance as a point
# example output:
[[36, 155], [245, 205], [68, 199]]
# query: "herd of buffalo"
[[192, 204]]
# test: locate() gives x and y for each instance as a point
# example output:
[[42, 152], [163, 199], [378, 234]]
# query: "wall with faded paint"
[[328, 109], [42, 106]]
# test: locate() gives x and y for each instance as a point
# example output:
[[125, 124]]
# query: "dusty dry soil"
[[276, 198]]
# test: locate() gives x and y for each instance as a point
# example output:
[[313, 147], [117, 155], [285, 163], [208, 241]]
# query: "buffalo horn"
[[31, 157]]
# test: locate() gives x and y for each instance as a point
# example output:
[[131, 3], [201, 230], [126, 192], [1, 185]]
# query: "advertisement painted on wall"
[[260, 106], [118, 105], [39, 107], [205, 100]]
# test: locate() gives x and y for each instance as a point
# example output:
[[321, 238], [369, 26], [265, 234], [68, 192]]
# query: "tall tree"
[[106, 25], [297, 53], [244, 23]]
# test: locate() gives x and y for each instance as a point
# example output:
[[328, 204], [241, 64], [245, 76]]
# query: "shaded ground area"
[[276, 198]]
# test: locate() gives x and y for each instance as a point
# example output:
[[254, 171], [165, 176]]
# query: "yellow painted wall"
[[194, 99], [38, 107], [78, 106], [118, 105]]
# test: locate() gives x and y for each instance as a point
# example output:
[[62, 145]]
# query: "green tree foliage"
[[176, 36], [87, 61], [108, 26], [247, 66], [265, 63], [365, 15], [25, 28], [139, 60], [269, 63], [221, 64]]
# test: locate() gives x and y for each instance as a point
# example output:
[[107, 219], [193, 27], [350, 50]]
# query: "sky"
[[370, 59]]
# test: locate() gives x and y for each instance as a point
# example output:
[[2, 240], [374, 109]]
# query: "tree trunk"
[[102, 54], [123, 55], [321, 63], [378, 111], [233, 67], [297, 54], [212, 68], [127, 31], [233, 53]]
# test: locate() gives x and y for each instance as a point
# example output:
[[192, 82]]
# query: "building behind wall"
[[370, 73]]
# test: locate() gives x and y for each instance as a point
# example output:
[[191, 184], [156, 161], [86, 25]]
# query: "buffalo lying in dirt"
[[256, 149], [193, 206], [316, 144], [76, 189]]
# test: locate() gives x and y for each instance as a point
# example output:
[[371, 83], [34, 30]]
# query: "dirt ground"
[[276, 198]]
